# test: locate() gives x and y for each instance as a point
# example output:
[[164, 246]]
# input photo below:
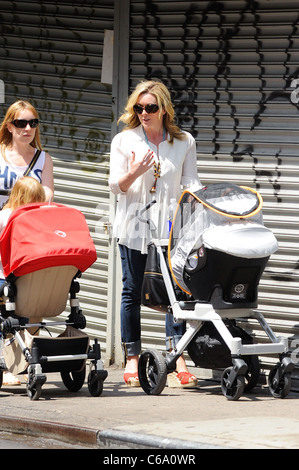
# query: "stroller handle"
[[145, 220]]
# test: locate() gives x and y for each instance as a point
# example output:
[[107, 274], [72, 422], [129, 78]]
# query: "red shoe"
[[181, 380], [131, 379]]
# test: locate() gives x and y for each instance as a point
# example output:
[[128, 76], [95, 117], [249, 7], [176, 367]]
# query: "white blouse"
[[178, 169]]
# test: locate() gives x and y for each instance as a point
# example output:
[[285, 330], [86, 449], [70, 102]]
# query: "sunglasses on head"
[[22, 123], [149, 108]]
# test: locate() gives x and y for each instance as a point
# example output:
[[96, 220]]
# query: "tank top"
[[10, 173]]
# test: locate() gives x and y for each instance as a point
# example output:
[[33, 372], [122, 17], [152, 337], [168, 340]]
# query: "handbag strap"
[[32, 163], [6, 192]]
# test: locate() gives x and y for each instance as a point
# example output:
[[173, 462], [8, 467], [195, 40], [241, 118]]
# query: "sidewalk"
[[124, 418]]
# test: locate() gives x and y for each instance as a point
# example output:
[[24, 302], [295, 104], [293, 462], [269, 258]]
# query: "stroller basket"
[[51, 348]]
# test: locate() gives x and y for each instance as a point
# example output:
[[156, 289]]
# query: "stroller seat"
[[36, 302], [219, 246]]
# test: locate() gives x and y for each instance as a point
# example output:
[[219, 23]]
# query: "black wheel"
[[34, 383], [236, 389], [279, 386], [252, 374], [34, 392], [73, 380], [95, 384], [152, 372]]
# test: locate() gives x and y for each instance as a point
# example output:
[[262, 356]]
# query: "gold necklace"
[[157, 165], [157, 174]]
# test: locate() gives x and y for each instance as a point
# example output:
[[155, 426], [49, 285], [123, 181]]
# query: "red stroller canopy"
[[42, 235]]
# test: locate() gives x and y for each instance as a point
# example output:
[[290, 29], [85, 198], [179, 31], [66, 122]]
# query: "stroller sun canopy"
[[43, 235], [223, 217]]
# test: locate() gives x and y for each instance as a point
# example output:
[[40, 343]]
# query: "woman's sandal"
[[131, 379], [181, 380], [9, 379]]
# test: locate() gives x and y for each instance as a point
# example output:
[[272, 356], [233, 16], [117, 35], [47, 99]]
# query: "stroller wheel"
[[252, 374], [35, 381], [279, 384], [235, 390], [34, 392], [152, 372], [95, 384], [73, 380]]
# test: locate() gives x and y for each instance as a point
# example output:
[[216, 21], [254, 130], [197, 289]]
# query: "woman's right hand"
[[137, 168], [144, 165]]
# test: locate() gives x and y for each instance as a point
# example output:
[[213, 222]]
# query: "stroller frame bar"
[[206, 312], [66, 357]]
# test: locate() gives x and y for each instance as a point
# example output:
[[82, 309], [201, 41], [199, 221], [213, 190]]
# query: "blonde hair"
[[25, 191], [162, 95], [11, 115]]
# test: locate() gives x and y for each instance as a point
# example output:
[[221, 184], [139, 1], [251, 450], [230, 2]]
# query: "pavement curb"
[[94, 438], [145, 441], [64, 432]]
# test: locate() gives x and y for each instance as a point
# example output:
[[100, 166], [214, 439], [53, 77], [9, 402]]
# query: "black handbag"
[[154, 294]]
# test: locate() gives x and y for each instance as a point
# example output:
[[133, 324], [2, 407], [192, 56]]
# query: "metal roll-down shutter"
[[232, 68], [52, 56]]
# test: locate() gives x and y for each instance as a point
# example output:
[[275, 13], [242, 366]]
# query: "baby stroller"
[[44, 249], [217, 251]]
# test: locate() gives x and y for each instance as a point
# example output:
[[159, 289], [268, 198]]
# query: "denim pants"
[[133, 265]]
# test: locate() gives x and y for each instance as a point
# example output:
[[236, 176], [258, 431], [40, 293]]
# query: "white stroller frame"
[[153, 367]]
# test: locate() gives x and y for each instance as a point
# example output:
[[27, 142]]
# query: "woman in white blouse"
[[150, 159]]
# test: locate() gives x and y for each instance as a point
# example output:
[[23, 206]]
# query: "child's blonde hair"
[[25, 191]]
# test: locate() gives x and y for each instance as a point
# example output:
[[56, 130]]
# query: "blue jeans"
[[133, 265]]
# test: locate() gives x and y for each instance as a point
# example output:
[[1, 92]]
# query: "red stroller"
[[44, 248]]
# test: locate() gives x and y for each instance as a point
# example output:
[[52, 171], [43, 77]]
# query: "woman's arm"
[[124, 169], [48, 178], [190, 179]]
